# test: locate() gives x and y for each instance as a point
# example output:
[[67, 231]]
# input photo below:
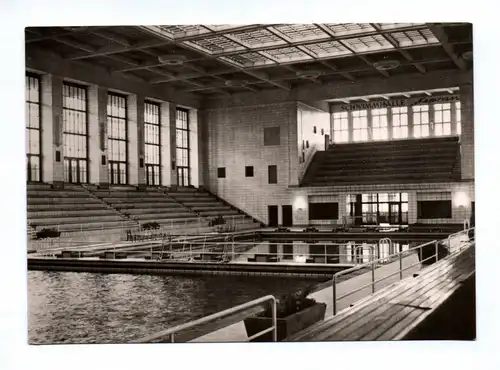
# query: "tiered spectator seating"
[[149, 205], [71, 209], [209, 206], [388, 162]]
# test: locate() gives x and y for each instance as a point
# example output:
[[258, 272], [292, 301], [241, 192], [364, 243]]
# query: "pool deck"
[[237, 332]]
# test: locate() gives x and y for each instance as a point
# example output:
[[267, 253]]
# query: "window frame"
[[68, 134], [27, 102], [115, 162], [147, 165]]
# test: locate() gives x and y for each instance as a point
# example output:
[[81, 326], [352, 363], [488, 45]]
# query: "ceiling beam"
[[330, 37], [49, 62], [44, 37], [354, 53], [214, 33], [78, 45], [441, 35], [288, 42], [122, 41], [289, 77], [114, 49], [394, 43], [326, 59], [258, 75], [440, 79]]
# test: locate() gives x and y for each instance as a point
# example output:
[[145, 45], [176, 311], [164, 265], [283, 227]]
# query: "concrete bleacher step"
[[89, 225], [402, 161], [74, 219], [70, 213], [210, 207], [55, 200], [57, 193], [396, 144], [430, 168], [64, 206], [146, 199], [370, 164], [383, 151], [379, 180], [155, 210], [161, 217], [219, 213]]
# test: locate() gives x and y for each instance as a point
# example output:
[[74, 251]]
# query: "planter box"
[[286, 326]]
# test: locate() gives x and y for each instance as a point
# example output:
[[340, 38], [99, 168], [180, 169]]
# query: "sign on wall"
[[393, 103]]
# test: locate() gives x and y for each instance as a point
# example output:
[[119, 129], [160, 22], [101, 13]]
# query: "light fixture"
[[172, 59], [385, 65], [299, 202], [236, 83], [311, 74], [461, 199]]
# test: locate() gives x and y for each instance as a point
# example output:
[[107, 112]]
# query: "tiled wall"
[[312, 126], [236, 140]]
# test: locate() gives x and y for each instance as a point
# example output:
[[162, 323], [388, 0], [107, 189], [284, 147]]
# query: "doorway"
[[287, 215], [273, 215], [75, 170], [394, 214]]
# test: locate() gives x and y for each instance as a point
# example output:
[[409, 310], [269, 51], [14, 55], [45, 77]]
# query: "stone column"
[[467, 138], [98, 138], [52, 130], [135, 113], [166, 145]]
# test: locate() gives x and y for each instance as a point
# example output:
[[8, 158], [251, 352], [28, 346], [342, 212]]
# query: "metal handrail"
[[170, 332], [373, 263], [466, 224], [385, 240]]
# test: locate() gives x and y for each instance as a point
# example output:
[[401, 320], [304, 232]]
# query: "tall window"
[[33, 132], [421, 121], [360, 125], [182, 147], [340, 127], [458, 115], [117, 139], [442, 119], [379, 124], [400, 123], [75, 137], [152, 143]]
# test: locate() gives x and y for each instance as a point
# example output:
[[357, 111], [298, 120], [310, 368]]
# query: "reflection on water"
[[66, 307], [345, 252]]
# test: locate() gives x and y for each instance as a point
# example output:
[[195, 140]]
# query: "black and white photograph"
[[250, 183]]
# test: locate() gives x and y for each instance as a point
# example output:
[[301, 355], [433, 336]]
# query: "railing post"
[[334, 291], [401, 265], [373, 277], [436, 244], [172, 338], [275, 321]]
